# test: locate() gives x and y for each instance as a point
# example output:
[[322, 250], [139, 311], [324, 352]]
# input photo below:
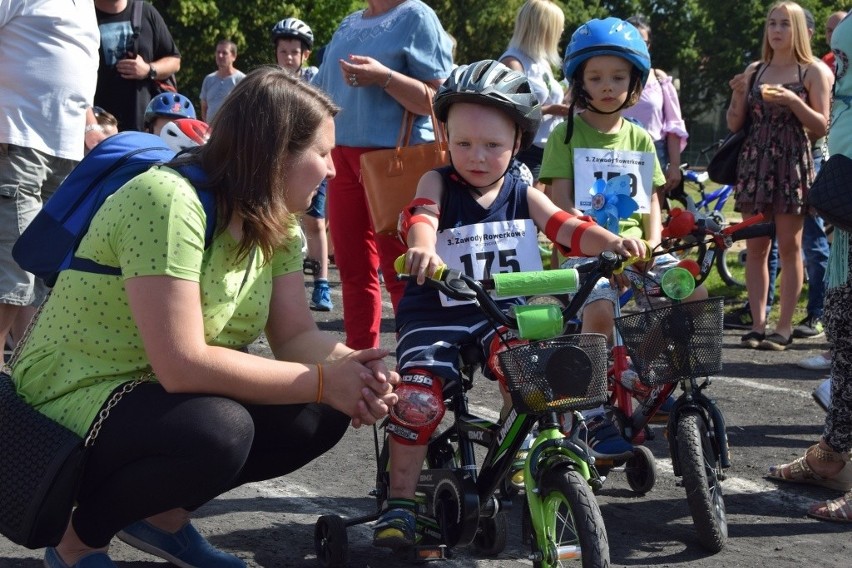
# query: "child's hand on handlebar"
[[632, 248], [422, 262]]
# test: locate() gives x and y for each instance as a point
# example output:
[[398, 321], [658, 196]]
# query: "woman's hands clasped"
[[361, 386]]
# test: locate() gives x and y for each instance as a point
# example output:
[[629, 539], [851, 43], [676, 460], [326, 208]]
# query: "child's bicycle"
[[710, 206], [460, 503], [670, 346]]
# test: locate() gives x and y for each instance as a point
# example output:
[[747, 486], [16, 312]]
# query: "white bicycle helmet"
[[293, 28], [185, 133]]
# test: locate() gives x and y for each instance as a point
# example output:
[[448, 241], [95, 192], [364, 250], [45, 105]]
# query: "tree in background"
[[701, 42], [197, 25]]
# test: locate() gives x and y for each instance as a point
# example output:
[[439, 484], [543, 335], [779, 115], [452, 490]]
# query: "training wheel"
[[641, 470], [330, 541]]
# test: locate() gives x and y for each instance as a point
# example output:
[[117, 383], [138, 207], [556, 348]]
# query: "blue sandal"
[[395, 528]]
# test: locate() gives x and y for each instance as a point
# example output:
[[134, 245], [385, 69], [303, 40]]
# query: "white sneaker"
[[816, 363]]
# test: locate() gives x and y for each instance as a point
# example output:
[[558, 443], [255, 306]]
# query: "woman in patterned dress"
[[785, 95]]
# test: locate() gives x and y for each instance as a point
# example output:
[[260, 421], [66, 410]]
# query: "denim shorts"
[[317, 208], [27, 178], [649, 282]]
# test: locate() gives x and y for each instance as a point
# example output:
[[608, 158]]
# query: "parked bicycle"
[[710, 208], [461, 502]]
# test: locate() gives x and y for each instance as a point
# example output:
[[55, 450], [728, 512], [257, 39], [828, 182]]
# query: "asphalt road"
[[771, 419]]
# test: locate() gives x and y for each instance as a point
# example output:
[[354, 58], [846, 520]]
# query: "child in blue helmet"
[[165, 108], [472, 209], [607, 64]]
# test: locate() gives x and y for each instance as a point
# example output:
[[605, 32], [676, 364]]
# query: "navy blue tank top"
[[459, 208]]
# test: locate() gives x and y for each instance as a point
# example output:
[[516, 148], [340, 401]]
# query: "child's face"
[[481, 142], [606, 79], [158, 123], [289, 54]]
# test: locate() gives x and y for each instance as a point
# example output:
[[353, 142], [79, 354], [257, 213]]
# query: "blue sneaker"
[[395, 528], [91, 560], [606, 441], [662, 414], [321, 297], [185, 548]]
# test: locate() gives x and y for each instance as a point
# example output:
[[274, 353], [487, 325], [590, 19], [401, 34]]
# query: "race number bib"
[[595, 163], [483, 249]]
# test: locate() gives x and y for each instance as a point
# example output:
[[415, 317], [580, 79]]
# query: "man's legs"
[[27, 178]]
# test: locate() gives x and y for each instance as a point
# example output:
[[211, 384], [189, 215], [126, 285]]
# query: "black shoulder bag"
[[723, 165]]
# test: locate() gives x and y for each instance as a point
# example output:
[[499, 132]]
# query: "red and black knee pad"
[[417, 413]]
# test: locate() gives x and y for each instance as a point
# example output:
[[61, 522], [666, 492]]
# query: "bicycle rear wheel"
[[699, 466], [574, 525]]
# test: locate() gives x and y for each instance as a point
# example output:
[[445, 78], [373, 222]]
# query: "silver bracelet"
[[387, 82]]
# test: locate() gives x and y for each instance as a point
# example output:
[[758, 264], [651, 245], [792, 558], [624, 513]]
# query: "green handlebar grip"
[[399, 266], [559, 281]]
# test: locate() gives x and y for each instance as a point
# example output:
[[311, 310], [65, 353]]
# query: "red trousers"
[[359, 252]]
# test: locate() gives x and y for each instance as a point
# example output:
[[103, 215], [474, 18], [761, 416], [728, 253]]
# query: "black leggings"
[[158, 451]]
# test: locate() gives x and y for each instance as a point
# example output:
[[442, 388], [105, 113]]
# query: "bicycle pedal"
[[427, 553]]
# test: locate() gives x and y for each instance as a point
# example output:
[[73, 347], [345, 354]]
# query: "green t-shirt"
[[85, 342], [558, 160]]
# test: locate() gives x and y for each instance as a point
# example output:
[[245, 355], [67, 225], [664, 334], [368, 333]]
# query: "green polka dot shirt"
[[85, 342]]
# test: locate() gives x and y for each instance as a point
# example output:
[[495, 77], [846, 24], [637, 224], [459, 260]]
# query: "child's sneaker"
[[395, 528], [606, 441], [321, 297]]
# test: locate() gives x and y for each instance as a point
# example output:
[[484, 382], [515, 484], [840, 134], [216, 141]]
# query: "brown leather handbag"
[[390, 176]]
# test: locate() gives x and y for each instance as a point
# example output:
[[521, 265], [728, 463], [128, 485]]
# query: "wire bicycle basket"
[[675, 342], [559, 374]]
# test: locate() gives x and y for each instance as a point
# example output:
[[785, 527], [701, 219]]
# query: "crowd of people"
[[185, 310]]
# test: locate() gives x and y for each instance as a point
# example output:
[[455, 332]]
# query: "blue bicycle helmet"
[[489, 82], [169, 105], [610, 36]]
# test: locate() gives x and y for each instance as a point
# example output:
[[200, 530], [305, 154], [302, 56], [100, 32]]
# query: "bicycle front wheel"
[[699, 466], [573, 522], [724, 261]]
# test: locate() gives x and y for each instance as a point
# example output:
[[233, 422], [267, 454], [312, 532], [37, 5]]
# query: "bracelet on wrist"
[[388, 80], [91, 127], [319, 383]]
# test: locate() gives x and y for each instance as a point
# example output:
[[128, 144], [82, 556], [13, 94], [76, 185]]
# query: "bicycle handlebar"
[[462, 287]]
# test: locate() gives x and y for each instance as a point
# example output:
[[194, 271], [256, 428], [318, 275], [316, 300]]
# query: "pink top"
[[658, 110]]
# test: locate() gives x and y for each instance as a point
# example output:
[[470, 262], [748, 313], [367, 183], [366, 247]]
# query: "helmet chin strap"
[[476, 188]]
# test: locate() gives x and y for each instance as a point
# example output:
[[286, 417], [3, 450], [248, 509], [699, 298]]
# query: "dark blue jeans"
[[815, 251]]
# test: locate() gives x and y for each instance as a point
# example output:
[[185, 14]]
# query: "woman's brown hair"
[[269, 117]]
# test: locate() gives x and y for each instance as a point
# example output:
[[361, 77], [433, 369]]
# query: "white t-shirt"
[[545, 87], [48, 73]]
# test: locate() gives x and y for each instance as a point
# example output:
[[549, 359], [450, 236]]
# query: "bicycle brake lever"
[[455, 286]]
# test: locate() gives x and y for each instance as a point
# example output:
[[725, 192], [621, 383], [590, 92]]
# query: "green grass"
[[737, 296]]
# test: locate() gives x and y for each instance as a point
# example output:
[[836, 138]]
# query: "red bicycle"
[[677, 345]]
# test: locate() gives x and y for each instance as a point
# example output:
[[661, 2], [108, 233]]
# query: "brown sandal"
[[837, 511], [799, 471]]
